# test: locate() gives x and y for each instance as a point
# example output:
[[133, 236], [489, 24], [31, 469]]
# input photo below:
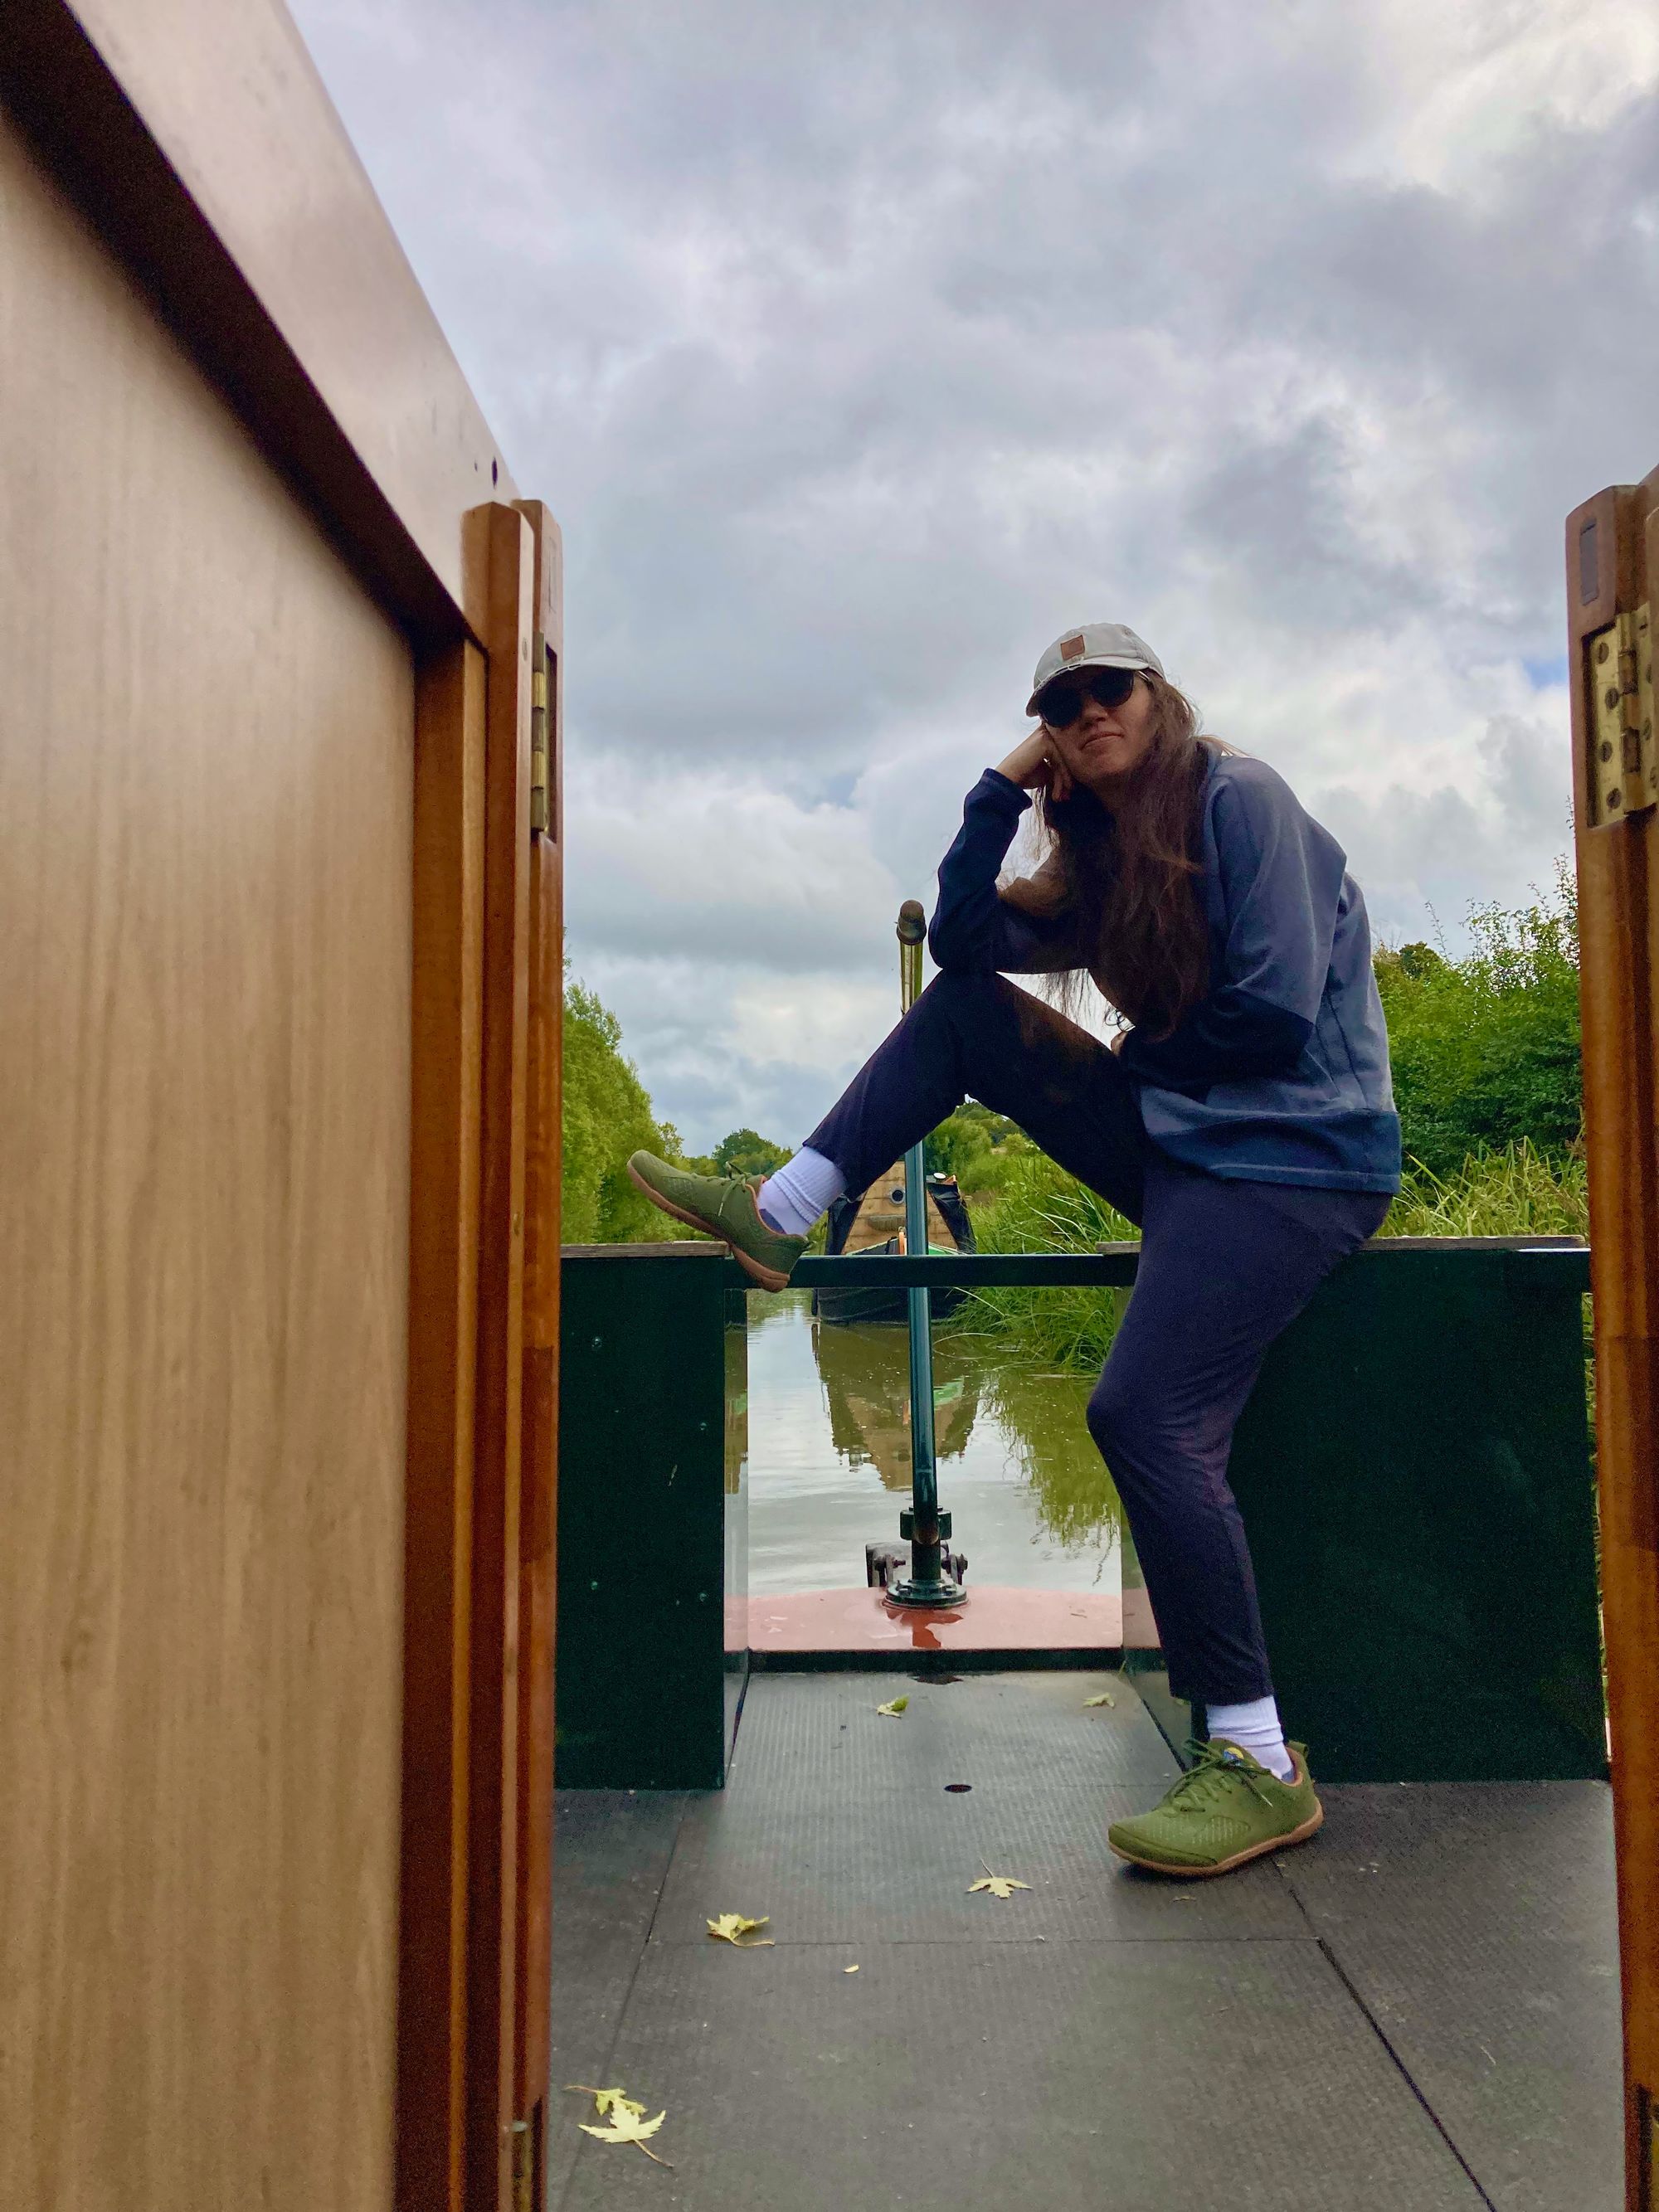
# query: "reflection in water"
[[829, 1458], [864, 1369]]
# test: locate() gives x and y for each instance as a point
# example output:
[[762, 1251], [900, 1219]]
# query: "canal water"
[[828, 1447]]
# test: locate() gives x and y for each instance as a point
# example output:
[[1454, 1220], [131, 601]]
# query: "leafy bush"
[[963, 1142], [1485, 1050]]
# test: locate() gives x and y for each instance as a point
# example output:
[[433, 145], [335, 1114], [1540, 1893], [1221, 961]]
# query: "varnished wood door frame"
[[443, 1321], [496, 1533], [1613, 565], [473, 2033], [538, 1479]]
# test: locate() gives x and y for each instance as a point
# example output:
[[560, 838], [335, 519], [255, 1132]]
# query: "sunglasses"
[[1061, 702]]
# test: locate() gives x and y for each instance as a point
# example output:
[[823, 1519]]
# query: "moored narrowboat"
[[875, 1223]]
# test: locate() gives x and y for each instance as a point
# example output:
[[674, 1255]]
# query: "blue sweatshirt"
[[1280, 1074]]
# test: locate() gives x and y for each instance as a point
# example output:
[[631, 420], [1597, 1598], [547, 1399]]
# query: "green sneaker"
[[1225, 1808], [725, 1207]]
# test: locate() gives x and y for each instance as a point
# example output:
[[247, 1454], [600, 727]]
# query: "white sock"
[[1254, 1728], [792, 1200]]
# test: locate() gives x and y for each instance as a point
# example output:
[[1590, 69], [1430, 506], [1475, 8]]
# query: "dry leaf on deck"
[[628, 2127], [608, 2101], [731, 1927], [1104, 1699], [999, 1885], [893, 1710]]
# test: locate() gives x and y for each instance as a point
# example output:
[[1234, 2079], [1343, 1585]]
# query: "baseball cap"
[[1092, 645]]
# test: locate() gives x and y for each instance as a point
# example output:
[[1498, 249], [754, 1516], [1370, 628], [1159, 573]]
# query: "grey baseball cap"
[[1092, 645]]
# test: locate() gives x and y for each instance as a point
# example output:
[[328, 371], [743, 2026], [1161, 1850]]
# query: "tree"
[[607, 1115], [965, 1137], [746, 1152]]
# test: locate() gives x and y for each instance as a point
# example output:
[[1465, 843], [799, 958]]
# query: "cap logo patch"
[[1073, 648]]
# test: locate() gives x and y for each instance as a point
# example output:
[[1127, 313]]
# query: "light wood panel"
[[206, 777], [208, 151], [1613, 565]]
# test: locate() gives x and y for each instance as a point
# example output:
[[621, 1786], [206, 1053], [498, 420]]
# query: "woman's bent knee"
[[1131, 1425], [1111, 1414], [954, 988]]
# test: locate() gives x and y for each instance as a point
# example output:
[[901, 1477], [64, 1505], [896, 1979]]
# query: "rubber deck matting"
[[1476, 1922], [1417, 2009], [611, 1853]]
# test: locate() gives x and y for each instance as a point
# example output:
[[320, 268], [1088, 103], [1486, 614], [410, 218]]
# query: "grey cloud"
[[1430, 853], [1532, 777], [1291, 500]]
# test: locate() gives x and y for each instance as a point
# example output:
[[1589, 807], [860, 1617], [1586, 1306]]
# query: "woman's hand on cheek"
[[1032, 766], [1028, 763]]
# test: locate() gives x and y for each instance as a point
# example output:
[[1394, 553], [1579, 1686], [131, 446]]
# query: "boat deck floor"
[[1418, 2009]]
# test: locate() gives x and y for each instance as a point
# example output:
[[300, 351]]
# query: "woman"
[[1245, 1121]]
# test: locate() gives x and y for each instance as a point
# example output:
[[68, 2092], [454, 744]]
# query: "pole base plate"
[[913, 1592]]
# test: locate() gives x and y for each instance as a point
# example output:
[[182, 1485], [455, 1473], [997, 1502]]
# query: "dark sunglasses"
[[1061, 701]]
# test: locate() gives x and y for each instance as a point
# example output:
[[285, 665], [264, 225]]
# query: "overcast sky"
[[862, 350]]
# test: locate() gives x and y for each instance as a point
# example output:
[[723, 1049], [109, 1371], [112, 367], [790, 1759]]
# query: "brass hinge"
[[538, 753], [524, 2166], [1623, 772]]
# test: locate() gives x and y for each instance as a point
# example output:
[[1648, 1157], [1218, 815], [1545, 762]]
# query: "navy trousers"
[[1225, 1266]]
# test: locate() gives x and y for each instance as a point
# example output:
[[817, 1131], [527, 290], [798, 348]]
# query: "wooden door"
[[278, 1164], [206, 766], [1613, 574]]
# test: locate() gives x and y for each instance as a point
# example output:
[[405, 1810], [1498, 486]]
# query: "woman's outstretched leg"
[[981, 1037], [968, 1036]]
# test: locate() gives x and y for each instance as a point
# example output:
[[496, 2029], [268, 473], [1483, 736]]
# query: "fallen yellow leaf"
[[731, 1927], [1104, 1699], [893, 1710], [999, 1885], [849, 1970], [608, 2101], [628, 2127]]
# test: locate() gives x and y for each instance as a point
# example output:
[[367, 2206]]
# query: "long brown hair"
[[1127, 877]]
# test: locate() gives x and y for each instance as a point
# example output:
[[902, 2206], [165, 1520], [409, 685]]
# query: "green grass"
[[1032, 1206], [1515, 1191]]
